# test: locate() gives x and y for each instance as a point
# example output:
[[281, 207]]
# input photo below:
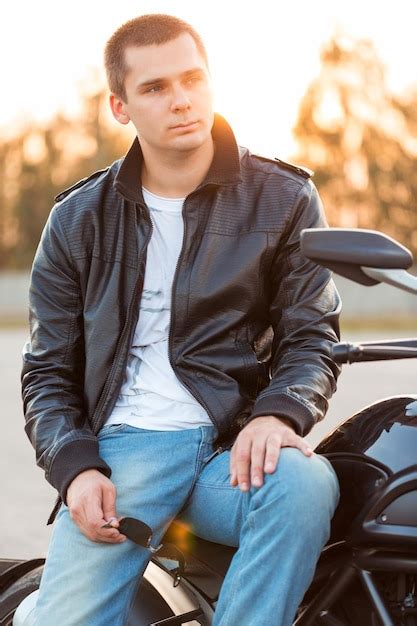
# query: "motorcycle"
[[367, 572]]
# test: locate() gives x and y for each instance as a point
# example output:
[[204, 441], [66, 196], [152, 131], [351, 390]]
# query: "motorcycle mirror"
[[350, 252]]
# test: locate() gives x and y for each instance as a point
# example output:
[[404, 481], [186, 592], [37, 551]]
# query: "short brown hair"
[[146, 30]]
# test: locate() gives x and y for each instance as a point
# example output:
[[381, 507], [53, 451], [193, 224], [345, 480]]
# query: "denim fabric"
[[280, 529]]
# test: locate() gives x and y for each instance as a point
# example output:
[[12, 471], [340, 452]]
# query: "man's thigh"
[[91, 583], [300, 487], [153, 471]]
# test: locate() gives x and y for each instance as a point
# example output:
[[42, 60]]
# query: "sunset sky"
[[263, 54]]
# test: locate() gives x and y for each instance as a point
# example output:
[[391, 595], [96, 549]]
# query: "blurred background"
[[329, 85]]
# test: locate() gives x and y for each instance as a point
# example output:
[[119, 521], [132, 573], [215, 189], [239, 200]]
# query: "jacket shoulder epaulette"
[[303, 171], [63, 194]]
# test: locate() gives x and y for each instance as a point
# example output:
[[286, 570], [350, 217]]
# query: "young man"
[[172, 314]]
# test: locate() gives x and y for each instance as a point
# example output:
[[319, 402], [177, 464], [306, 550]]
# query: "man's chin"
[[190, 143]]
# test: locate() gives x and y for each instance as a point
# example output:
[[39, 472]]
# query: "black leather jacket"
[[252, 320]]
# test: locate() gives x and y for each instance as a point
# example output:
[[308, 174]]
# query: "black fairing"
[[367, 452], [385, 432], [148, 606]]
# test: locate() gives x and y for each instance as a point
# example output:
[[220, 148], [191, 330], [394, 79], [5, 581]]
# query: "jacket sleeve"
[[53, 365], [304, 310]]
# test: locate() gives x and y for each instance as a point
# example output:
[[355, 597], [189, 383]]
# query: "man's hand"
[[257, 448], [91, 500]]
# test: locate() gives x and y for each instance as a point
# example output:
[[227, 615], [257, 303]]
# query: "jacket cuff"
[[72, 459], [282, 405]]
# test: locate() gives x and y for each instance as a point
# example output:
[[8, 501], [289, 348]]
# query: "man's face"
[[169, 97]]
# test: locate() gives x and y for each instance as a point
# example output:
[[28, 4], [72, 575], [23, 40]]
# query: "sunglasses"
[[137, 531], [141, 534]]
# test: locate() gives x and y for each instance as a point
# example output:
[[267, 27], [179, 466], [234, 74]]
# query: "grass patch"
[[8, 322], [379, 323]]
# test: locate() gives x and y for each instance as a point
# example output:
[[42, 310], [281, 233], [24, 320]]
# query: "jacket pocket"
[[250, 366]]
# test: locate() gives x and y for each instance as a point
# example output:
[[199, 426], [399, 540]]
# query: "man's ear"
[[117, 106]]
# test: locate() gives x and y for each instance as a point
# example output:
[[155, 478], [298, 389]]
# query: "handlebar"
[[375, 351]]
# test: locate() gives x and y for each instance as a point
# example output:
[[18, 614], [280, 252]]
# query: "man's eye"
[[193, 79], [154, 88]]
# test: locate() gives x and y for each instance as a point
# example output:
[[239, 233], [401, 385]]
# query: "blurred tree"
[[41, 161], [361, 141]]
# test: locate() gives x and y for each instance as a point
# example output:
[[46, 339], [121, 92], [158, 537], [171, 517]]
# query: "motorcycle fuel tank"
[[385, 432], [368, 451]]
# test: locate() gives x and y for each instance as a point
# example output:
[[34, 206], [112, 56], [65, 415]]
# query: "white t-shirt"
[[151, 395]]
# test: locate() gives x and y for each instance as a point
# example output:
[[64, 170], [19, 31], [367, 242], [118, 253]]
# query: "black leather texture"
[[252, 321]]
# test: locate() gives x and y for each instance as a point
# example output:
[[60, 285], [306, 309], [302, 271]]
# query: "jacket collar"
[[224, 168]]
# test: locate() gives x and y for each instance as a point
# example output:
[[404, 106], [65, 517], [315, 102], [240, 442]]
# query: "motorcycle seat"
[[206, 562]]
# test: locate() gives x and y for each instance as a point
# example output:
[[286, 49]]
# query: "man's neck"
[[175, 175]]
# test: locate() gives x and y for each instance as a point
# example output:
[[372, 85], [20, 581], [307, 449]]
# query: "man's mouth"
[[185, 125]]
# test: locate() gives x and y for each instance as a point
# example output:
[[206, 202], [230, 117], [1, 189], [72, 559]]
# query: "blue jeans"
[[280, 529]]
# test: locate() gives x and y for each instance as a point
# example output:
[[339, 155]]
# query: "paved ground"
[[27, 498]]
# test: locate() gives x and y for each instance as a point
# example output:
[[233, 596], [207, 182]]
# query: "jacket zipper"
[[95, 421], [193, 392], [125, 332]]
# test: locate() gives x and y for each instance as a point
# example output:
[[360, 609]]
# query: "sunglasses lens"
[[137, 531]]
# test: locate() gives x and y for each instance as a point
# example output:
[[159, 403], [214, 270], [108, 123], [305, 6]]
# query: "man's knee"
[[307, 487]]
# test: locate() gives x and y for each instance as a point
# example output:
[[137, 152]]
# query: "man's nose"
[[180, 99]]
